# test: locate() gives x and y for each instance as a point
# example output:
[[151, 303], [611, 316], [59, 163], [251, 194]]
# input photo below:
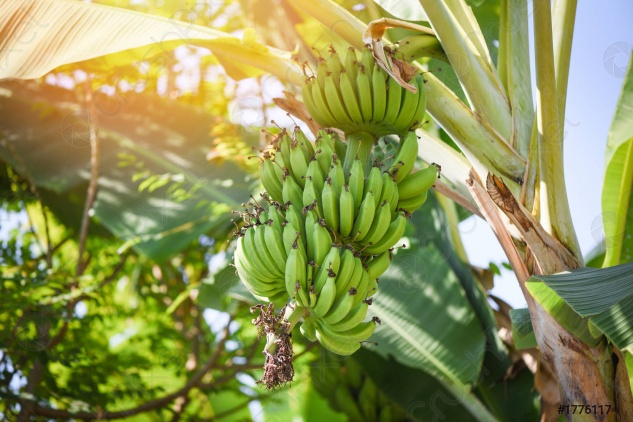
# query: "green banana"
[[332, 263], [275, 244], [335, 65], [362, 289], [393, 235], [360, 332], [336, 176], [365, 217], [380, 224], [346, 212], [270, 181], [367, 400], [352, 319], [295, 218], [255, 284], [310, 220], [353, 281], [395, 197], [356, 183], [308, 329], [416, 183], [338, 347], [326, 297], [296, 265], [299, 164], [309, 193], [316, 175], [322, 71], [363, 87], [330, 202], [324, 157], [291, 191], [377, 266], [322, 242], [394, 94], [345, 272], [412, 204], [374, 184], [262, 283], [321, 104], [335, 101], [408, 108], [418, 116], [351, 63], [306, 91], [256, 256], [303, 141], [367, 60], [405, 157], [348, 92], [378, 93], [340, 147], [284, 147], [272, 264], [340, 308], [347, 403]]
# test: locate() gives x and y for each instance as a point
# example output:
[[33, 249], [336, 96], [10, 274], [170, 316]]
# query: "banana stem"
[[294, 316], [359, 144]]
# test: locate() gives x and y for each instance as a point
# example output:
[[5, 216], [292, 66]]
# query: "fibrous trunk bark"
[[586, 375]]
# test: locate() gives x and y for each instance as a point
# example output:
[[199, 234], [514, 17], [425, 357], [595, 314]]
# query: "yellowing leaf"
[[39, 36]]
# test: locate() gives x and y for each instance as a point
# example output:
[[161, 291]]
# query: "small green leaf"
[[522, 329]]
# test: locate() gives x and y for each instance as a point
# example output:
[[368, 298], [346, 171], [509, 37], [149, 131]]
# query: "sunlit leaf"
[[617, 190], [159, 222], [408, 10], [37, 37]]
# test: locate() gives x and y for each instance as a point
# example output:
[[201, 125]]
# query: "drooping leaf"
[[37, 37], [617, 190], [55, 153], [604, 296], [434, 214], [415, 390], [560, 310], [591, 291], [427, 322]]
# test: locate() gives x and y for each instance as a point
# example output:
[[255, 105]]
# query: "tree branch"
[[94, 175], [151, 405]]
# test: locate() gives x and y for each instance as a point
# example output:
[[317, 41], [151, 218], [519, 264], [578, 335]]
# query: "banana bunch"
[[359, 96], [349, 390], [325, 236], [366, 214], [285, 254]]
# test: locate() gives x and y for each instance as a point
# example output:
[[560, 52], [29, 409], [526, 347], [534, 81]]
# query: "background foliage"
[[142, 317]]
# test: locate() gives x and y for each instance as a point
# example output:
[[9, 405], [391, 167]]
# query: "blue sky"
[[602, 43]]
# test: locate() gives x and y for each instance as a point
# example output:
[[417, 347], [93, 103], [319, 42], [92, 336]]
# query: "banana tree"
[[501, 159]]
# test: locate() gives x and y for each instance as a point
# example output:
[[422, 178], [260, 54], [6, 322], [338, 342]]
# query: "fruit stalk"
[[359, 145]]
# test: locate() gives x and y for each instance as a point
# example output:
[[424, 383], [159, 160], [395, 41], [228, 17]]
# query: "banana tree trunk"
[[586, 375]]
